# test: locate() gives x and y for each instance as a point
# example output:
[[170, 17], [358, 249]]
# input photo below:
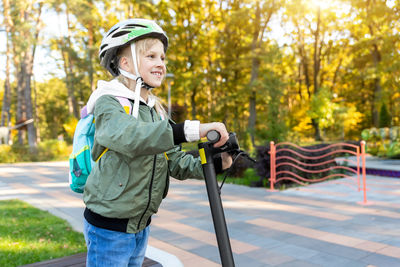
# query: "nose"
[[160, 62]]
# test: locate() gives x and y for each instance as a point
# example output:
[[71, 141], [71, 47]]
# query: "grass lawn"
[[29, 235]]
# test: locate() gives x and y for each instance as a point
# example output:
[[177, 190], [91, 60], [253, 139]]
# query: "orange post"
[[272, 165], [358, 169], [364, 173]]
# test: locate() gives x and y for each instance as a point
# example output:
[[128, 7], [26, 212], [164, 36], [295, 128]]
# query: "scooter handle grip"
[[213, 136]]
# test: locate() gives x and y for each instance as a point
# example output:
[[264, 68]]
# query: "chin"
[[155, 84]]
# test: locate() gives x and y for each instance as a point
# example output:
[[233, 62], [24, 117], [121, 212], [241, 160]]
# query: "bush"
[[48, 150], [7, 155], [249, 177], [53, 150], [394, 150], [382, 142], [384, 117]]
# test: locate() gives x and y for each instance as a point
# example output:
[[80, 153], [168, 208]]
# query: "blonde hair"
[[141, 47]]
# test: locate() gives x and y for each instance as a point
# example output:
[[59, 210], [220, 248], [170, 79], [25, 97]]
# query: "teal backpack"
[[80, 160]]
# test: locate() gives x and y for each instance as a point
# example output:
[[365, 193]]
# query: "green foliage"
[[7, 155], [232, 55], [384, 117], [52, 109], [382, 142], [249, 176], [394, 150], [69, 126], [274, 120], [29, 235], [48, 150], [322, 108]]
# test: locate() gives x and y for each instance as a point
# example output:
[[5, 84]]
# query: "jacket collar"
[[114, 88]]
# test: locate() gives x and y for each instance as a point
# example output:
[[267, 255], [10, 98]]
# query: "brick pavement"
[[317, 225]]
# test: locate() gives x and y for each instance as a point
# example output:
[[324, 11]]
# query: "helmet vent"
[[103, 46], [112, 31], [120, 33], [134, 25]]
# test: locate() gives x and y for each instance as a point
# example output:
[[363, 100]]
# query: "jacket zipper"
[[151, 181]]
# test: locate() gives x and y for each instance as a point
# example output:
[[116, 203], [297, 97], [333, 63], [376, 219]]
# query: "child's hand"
[[219, 127], [226, 160]]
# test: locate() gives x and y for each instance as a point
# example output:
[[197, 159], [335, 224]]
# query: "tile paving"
[[319, 225]]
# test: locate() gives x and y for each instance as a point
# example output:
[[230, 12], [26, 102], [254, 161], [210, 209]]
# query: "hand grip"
[[213, 136]]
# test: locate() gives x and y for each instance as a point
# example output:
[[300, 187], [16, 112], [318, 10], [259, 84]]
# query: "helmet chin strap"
[[137, 78]]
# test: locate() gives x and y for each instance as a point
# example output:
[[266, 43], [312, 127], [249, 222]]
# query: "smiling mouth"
[[156, 73]]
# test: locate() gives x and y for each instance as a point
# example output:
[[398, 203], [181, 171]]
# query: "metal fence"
[[313, 163]]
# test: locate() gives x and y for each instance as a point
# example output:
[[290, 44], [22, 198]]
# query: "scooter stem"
[[217, 211]]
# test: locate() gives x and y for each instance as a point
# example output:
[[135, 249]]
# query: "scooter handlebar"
[[213, 136]]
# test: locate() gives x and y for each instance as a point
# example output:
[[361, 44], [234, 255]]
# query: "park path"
[[317, 225]]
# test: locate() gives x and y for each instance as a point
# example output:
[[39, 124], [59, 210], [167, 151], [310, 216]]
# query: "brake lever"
[[236, 152]]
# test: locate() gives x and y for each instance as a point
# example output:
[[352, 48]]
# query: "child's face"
[[152, 65]]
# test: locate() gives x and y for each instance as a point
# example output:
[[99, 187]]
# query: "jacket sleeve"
[[183, 165], [125, 134]]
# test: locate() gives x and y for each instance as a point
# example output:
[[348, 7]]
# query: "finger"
[[224, 138]]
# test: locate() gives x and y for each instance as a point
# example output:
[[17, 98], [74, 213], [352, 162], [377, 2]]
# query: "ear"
[[124, 64]]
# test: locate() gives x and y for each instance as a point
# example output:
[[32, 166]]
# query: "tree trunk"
[[255, 64], [193, 103], [377, 87], [304, 61], [316, 54], [252, 115], [317, 62], [29, 112], [28, 89], [5, 110], [376, 58], [68, 68], [21, 105], [91, 50], [28, 100]]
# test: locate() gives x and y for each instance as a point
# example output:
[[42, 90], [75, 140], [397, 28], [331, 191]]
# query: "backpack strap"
[[126, 104], [84, 112]]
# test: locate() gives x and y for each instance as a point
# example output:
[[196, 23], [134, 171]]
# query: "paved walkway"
[[318, 225]]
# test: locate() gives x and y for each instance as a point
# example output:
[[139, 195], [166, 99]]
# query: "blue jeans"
[[114, 249]]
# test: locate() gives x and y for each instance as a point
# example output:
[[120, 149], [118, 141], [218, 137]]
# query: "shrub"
[[394, 150], [48, 150], [7, 155], [384, 117], [249, 177], [382, 142], [53, 150]]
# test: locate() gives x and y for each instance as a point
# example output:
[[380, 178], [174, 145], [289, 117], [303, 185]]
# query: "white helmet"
[[122, 34]]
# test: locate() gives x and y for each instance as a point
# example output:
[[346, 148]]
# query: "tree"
[[262, 16], [317, 41], [5, 109], [374, 34], [384, 117], [24, 20], [187, 53]]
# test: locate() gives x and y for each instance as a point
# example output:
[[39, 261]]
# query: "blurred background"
[[304, 71]]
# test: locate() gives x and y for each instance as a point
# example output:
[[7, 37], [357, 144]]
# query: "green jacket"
[[132, 177]]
